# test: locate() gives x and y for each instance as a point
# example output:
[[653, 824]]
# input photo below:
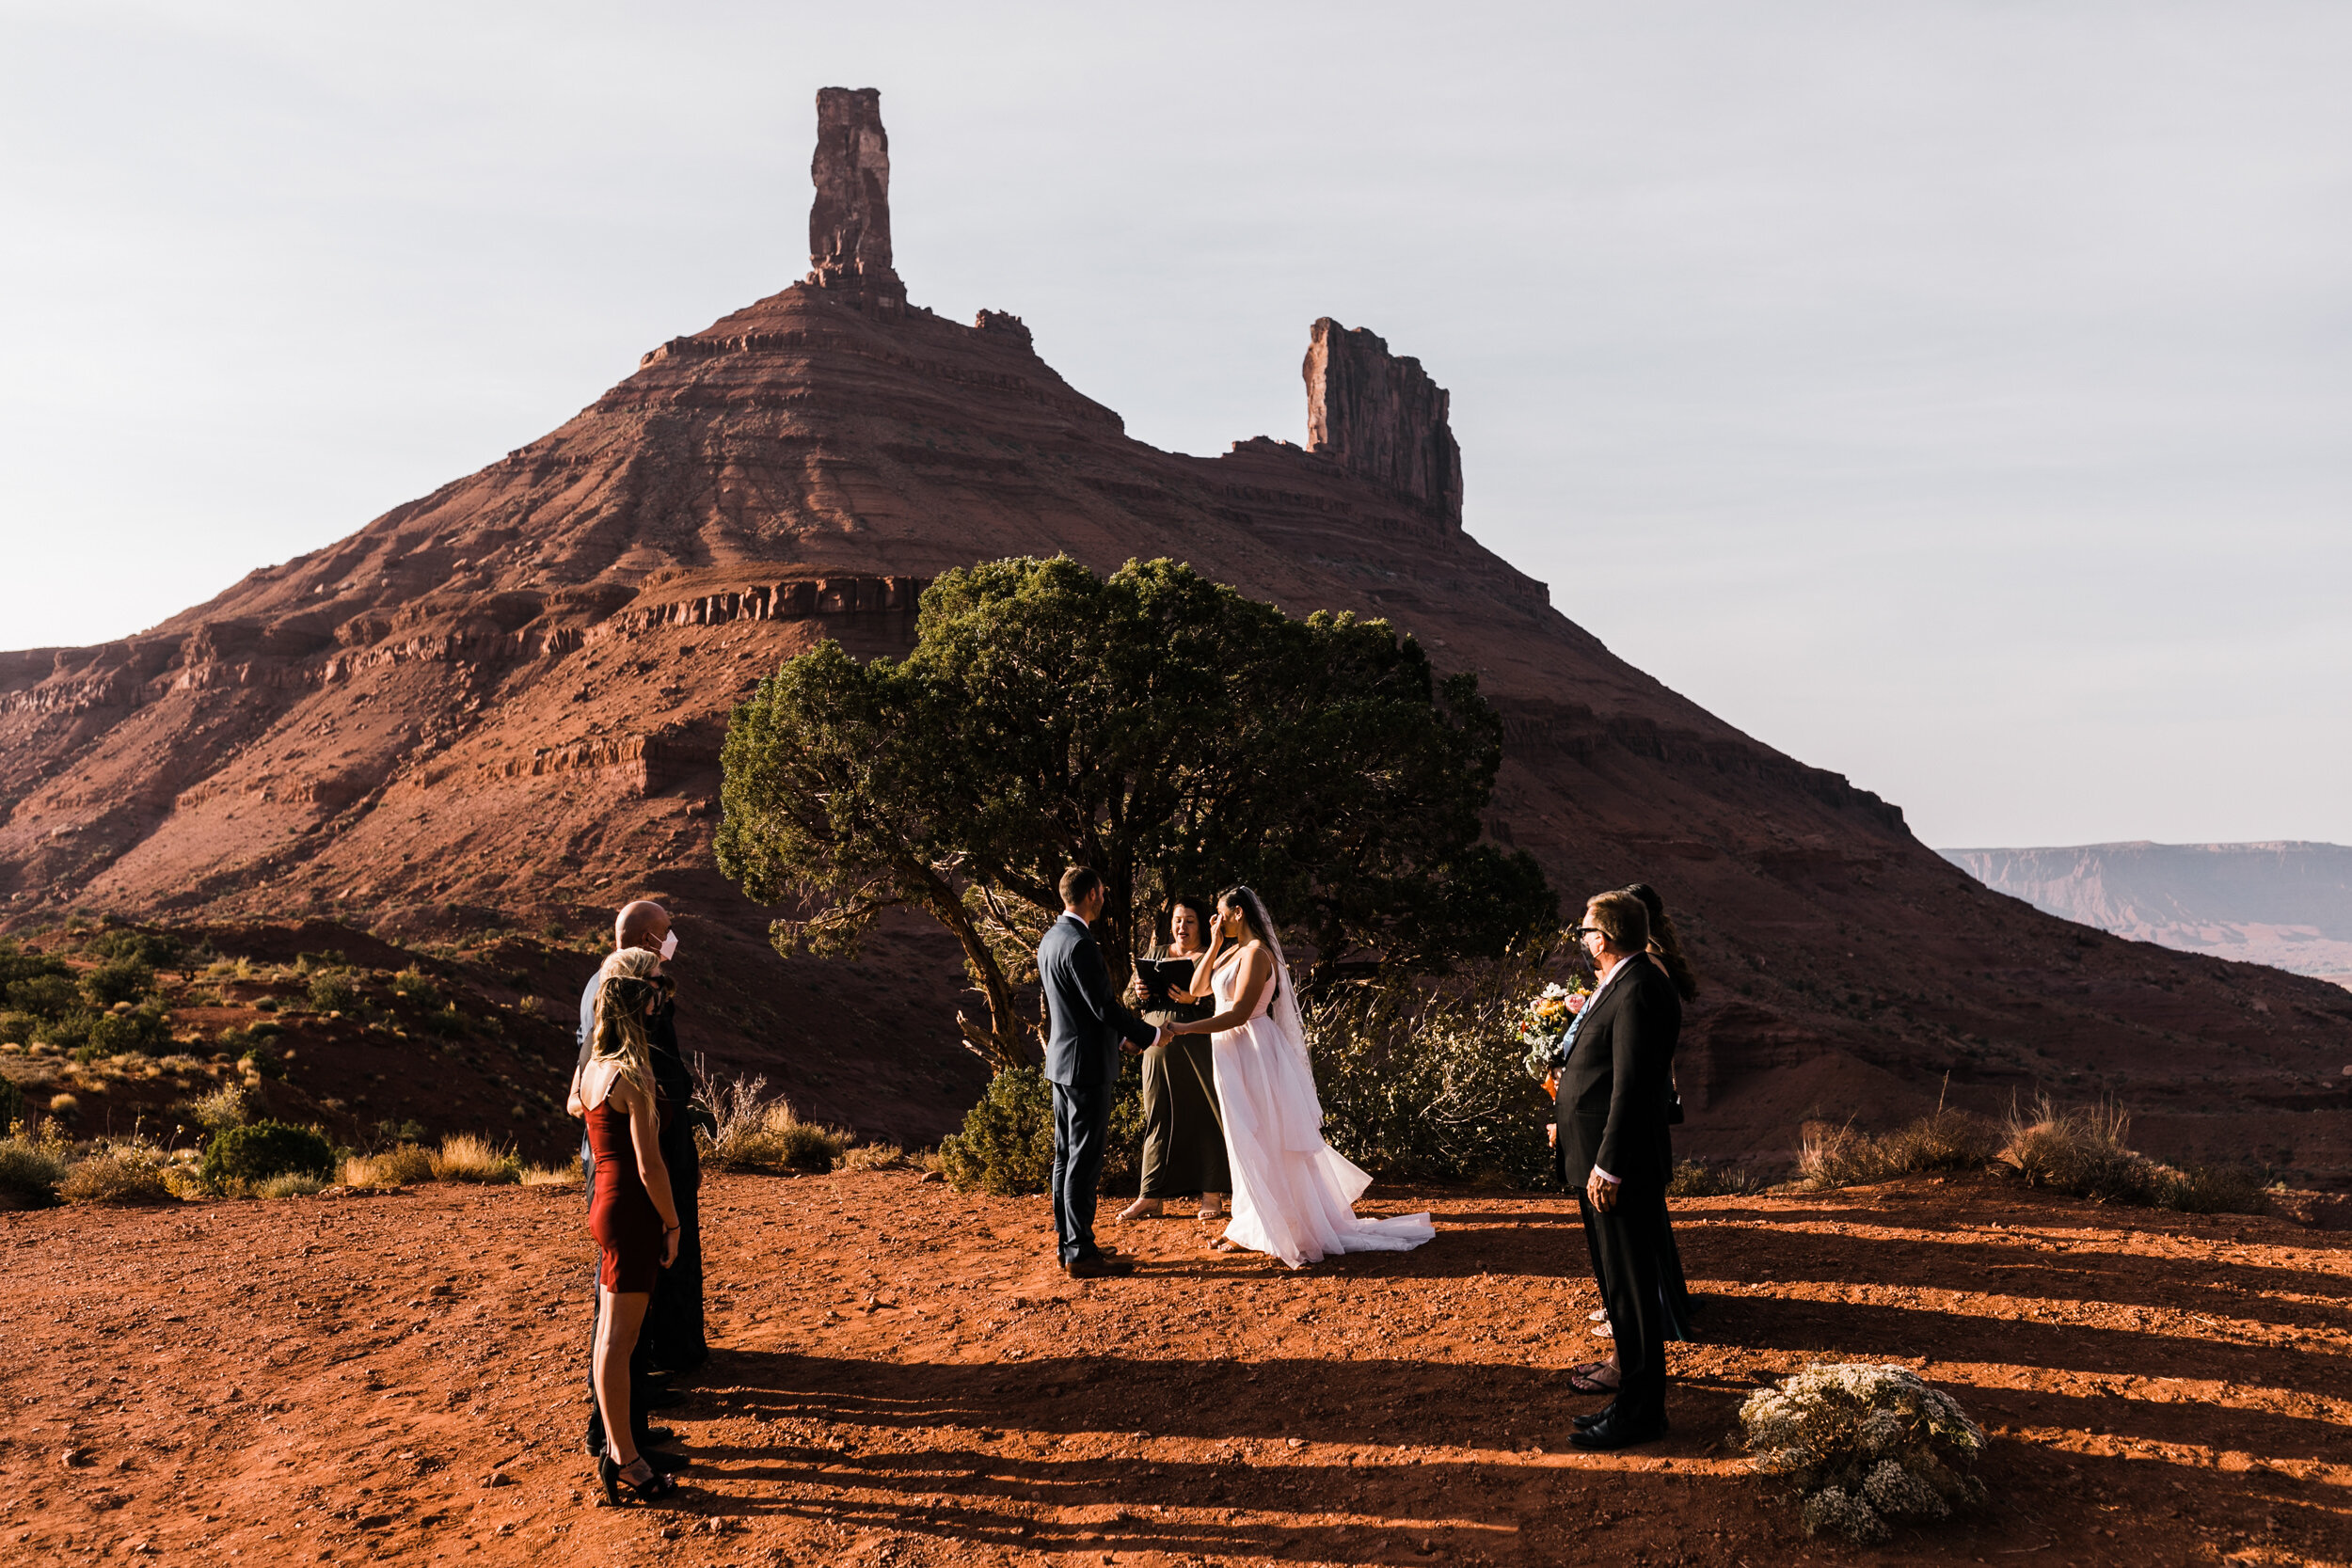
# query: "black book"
[[1161, 974]]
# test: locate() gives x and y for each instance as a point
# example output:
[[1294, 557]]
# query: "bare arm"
[[644, 1128], [1257, 971]]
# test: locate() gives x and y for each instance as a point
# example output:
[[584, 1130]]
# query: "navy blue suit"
[[1086, 1022]]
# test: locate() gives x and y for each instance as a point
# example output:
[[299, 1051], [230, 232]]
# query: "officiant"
[[1183, 1140]]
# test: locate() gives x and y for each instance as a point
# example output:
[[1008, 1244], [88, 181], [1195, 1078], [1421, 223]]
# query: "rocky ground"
[[901, 1378]]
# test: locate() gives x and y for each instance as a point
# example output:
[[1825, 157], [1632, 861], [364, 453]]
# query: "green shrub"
[[333, 991], [30, 1170], [417, 987], [118, 980], [18, 1028], [258, 1151], [1421, 1083], [1007, 1144], [143, 1029], [264, 1061], [46, 995], [18, 966], [155, 949]]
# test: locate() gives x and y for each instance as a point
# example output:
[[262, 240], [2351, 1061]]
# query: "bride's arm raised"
[[1257, 970]]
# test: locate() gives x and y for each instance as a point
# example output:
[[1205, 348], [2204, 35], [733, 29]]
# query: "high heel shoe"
[[640, 1476]]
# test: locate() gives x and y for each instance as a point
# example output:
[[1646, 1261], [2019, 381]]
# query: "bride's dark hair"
[[1664, 942], [1252, 913]]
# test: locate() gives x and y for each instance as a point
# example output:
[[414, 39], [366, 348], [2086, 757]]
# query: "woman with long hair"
[[1293, 1194], [1184, 1143], [631, 1212]]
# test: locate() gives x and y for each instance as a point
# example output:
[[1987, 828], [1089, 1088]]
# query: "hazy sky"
[[1955, 395]]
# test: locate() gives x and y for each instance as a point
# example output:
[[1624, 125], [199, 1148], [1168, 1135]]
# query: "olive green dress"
[[1184, 1139]]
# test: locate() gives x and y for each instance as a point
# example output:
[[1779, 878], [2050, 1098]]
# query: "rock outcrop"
[[1381, 417], [502, 704], [849, 223]]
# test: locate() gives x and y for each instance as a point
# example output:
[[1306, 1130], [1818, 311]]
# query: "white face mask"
[[669, 947]]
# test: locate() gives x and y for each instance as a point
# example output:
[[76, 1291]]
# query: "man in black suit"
[[1614, 1089], [1081, 1063]]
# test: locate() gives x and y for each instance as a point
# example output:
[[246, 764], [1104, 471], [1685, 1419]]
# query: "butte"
[[501, 703]]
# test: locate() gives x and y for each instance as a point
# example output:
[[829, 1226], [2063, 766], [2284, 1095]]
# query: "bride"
[[1293, 1194]]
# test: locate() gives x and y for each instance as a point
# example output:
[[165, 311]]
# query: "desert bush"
[[1864, 1446], [755, 1133], [1422, 1083], [554, 1176], [1715, 1179], [118, 980], [119, 1172], [19, 1028], [254, 1152], [31, 1169], [261, 1062], [292, 1184], [875, 1157], [67, 1108], [224, 1107], [448, 1023], [45, 993], [1835, 1156], [11, 1102], [416, 985], [334, 990], [1006, 1145], [401, 1166], [2212, 1190], [145, 1029], [155, 949], [471, 1157], [2080, 1151]]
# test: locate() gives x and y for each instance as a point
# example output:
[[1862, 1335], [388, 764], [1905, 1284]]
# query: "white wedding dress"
[[1293, 1194]]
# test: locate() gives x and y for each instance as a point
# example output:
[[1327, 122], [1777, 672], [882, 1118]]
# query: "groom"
[[1082, 1064]]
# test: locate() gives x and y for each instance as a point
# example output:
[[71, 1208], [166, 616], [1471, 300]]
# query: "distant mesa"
[[2288, 905]]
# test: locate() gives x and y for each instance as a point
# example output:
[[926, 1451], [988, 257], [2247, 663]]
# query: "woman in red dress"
[[630, 1211]]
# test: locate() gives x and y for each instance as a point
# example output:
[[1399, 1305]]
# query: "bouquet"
[[1542, 1024]]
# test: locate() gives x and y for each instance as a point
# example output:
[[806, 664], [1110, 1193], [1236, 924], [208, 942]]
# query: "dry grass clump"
[[471, 1157], [757, 1133], [292, 1184], [1716, 1179], [554, 1176], [120, 1173], [876, 1157], [1845, 1157], [2084, 1152], [31, 1169], [1865, 1447], [226, 1106], [401, 1166]]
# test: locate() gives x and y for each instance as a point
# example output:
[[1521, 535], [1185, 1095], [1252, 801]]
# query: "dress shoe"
[[1099, 1268], [1586, 1423], [1613, 1434]]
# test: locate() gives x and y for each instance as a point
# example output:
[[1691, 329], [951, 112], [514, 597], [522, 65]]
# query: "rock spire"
[[1382, 418], [849, 223]]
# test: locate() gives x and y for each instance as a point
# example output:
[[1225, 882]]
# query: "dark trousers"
[[1624, 1244], [1082, 1133]]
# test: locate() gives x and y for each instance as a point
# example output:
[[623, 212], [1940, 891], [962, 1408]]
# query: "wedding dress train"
[[1293, 1194]]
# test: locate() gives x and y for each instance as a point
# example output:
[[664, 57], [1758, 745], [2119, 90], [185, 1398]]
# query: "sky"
[[1957, 396]]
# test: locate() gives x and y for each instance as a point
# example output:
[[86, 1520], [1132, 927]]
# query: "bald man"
[[672, 1338]]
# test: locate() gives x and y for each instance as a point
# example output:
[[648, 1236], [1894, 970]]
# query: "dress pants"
[[1624, 1245], [1081, 1135]]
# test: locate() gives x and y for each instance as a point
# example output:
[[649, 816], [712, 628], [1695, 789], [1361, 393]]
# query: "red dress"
[[621, 1216]]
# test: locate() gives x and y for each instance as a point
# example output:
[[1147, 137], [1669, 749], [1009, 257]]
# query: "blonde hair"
[[620, 1033]]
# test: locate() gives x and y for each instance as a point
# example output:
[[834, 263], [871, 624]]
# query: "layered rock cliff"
[[501, 703]]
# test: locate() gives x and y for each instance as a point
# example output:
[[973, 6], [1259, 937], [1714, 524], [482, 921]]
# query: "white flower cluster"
[[1864, 1444]]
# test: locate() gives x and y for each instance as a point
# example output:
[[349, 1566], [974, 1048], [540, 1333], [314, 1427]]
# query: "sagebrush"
[[751, 1132], [1864, 1446]]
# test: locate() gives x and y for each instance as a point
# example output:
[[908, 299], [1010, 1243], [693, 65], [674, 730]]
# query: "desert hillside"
[[494, 711], [903, 1378]]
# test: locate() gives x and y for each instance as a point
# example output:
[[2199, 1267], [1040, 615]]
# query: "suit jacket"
[[1616, 1084], [1082, 1008]]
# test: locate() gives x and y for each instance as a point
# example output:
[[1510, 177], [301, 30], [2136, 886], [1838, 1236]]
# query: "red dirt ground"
[[902, 1379]]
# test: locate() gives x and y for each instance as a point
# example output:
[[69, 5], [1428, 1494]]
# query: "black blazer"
[[1082, 1008], [1615, 1085]]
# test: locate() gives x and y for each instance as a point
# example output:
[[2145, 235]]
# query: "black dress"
[[672, 1334], [1183, 1136]]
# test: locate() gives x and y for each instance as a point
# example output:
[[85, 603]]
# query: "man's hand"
[[1602, 1192], [1168, 1033]]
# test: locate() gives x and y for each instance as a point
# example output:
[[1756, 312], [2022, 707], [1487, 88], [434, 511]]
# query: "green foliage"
[[264, 1061], [1421, 1082], [1157, 726], [19, 1028], [155, 949], [414, 985], [142, 1029], [49, 994], [18, 966], [1007, 1144], [69, 1031], [256, 1152], [334, 990], [12, 1104]]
